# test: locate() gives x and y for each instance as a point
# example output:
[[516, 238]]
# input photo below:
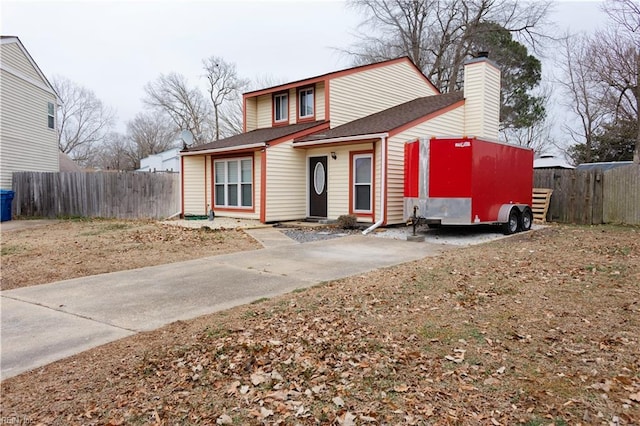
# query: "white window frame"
[[226, 184], [308, 92], [282, 98], [51, 115], [356, 157]]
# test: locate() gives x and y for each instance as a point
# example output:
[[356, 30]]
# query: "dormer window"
[[281, 108], [305, 103]]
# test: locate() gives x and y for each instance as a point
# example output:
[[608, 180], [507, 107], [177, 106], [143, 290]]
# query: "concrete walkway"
[[270, 237], [45, 323]]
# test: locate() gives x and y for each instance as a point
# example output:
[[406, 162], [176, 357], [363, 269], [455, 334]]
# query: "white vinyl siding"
[[377, 208], [251, 114], [319, 95], [257, 187], [338, 201], [450, 123], [26, 141], [208, 181], [194, 184], [13, 56], [482, 100], [286, 183], [233, 180], [293, 99], [366, 92], [264, 117]]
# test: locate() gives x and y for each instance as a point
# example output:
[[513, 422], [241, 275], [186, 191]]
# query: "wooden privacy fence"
[[123, 195], [622, 195], [592, 196]]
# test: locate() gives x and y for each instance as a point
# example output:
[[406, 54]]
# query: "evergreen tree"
[[520, 74], [614, 142]]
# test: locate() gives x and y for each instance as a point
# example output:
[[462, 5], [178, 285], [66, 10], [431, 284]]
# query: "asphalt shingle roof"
[[256, 136], [380, 122], [388, 119]]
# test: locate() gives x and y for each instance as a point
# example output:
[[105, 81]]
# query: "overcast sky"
[[116, 47]]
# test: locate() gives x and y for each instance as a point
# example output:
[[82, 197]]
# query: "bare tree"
[[441, 35], [114, 153], [264, 81], [224, 87], [231, 118], [437, 34], [83, 120], [538, 135], [149, 134], [616, 59], [603, 82], [583, 92], [184, 105], [625, 13]]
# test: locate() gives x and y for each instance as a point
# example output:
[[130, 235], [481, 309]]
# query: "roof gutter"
[[231, 148], [383, 188], [342, 139]]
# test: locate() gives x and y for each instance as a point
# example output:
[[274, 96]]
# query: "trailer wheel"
[[526, 219], [512, 224]]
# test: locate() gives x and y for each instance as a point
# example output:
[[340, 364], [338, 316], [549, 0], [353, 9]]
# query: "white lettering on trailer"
[[462, 144]]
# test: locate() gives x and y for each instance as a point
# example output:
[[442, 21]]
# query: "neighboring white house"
[[167, 161], [28, 138], [551, 162]]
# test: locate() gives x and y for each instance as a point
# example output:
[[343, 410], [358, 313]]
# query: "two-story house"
[[28, 138], [333, 145]]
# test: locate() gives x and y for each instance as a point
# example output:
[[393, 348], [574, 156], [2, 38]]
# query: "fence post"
[[598, 198]]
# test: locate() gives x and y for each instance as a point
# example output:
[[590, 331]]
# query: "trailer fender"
[[503, 213]]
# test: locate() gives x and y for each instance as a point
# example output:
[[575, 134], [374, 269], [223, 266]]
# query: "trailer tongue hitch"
[[415, 219]]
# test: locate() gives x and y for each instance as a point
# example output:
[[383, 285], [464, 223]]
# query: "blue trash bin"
[[6, 198]]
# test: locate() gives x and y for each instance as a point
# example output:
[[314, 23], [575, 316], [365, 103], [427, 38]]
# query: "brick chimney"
[[482, 98]]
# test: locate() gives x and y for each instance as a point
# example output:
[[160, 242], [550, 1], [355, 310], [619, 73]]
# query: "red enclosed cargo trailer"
[[466, 181]]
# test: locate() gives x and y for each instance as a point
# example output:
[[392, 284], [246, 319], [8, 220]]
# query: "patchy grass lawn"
[[541, 328], [78, 248]]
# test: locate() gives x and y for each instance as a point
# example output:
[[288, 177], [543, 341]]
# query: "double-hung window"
[[51, 117], [233, 183], [362, 182], [280, 108], [305, 103]]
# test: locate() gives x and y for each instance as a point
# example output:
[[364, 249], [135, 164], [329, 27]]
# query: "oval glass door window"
[[318, 178]]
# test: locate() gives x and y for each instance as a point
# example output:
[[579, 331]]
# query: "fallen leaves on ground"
[[533, 329]]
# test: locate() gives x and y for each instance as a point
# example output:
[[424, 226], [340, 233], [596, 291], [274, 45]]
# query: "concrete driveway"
[[45, 323]]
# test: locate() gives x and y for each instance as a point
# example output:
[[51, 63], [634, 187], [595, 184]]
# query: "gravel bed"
[[308, 235], [453, 235]]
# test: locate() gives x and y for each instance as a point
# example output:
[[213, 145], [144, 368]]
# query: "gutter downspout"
[[383, 187]]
